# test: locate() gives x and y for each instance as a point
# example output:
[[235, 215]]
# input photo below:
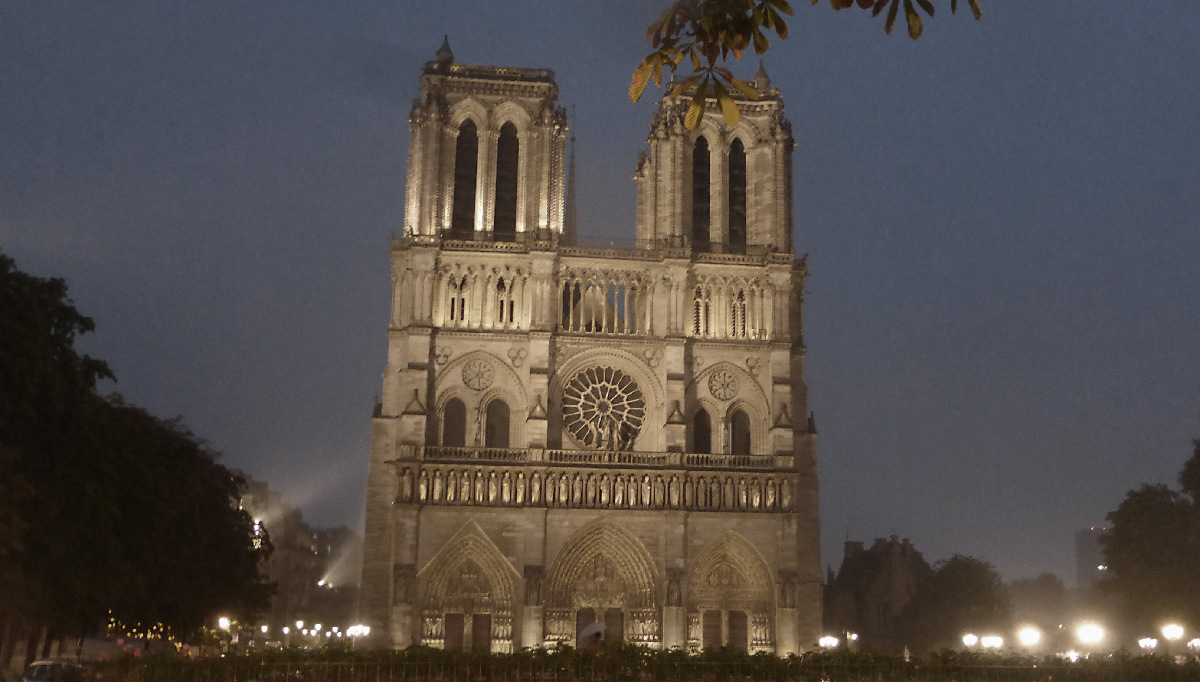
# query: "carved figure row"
[[502, 487]]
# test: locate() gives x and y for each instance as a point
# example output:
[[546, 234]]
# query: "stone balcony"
[[593, 479]]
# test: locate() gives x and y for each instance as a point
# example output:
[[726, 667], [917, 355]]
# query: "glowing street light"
[[317, 627], [828, 642], [287, 630], [299, 624], [1172, 631], [1194, 643], [1089, 633], [1029, 636], [223, 623], [1148, 643], [991, 642], [970, 640], [264, 629]]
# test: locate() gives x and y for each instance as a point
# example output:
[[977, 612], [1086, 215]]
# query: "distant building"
[[314, 570], [870, 590], [1089, 558]]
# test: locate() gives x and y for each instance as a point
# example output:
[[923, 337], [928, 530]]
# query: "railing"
[[551, 668], [598, 457]]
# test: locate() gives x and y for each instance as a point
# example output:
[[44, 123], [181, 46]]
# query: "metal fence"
[[233, 670]]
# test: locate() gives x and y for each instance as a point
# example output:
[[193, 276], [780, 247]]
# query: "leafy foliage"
[[964, 594], [705, 33], [1152, 549], [102, 505]]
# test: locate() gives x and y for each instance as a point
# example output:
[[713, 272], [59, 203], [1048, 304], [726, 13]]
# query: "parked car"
[[57, 670]]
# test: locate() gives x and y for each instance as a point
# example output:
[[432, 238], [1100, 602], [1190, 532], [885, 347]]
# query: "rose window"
[[603, 408]]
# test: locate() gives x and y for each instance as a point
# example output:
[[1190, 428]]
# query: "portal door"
[[481, 633], [454, 632]]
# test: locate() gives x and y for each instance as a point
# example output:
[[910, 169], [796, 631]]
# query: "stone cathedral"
[[579, 437]]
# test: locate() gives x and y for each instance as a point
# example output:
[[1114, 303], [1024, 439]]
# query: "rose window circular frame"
[[603, 408]]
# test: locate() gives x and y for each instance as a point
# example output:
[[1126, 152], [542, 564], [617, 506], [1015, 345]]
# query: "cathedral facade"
[[574, 438]]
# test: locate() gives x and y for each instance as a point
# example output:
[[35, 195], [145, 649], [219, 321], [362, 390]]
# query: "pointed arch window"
[[454, 424], [496, 422], [458, 300], [466, 161], [504, 301], [739, 433], [701, 210], [737, 197], [701, 432], [737, 315], [507, 154]]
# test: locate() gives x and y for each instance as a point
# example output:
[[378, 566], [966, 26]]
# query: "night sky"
[[1003, 319]]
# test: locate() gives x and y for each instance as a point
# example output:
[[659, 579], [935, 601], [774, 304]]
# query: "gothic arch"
[[729, 576], [759, 423], [505, 384], [510, 111], [751, 398], [650, 438], [468, 575], [603, 565], [469, 108], [709, 581]]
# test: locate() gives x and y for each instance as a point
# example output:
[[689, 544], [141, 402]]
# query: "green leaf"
[[746, 88], [696, 109], [975, 8], [656, 73], [728, 107], [890, 24], [954, 6], [640, 77], [879, 5], [927, 6], [914, 20]]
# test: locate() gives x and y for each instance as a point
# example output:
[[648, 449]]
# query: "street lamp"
[[299, 624], [828, 642], [223, 623], [1090, 634], [1148, 643], [991, 642], [1172, 631], [264, 629], [970, 640], [1029, 636]]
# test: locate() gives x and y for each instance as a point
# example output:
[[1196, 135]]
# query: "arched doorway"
[[730, 598]]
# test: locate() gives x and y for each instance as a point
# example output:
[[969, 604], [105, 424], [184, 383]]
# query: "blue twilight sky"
[[1002, 220]]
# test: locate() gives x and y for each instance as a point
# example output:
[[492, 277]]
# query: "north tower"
[[571, 434]]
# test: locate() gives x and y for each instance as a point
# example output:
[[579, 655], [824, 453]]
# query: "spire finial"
[[444, 54], [761, 80]]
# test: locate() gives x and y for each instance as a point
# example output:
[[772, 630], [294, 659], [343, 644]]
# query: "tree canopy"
[[103, 506], [705, 33], [1152, 550], [963, 595]]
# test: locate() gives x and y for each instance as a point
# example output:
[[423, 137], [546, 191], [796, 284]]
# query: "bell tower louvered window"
[[737, 197], [466, 161], [701, 210], [507, 154]]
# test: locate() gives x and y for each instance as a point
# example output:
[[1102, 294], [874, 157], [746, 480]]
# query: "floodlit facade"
[[573, 438]]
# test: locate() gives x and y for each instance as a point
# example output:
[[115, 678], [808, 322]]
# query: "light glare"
[[1029, 636]]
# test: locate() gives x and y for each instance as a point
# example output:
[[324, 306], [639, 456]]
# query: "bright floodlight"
[[1089, 633], [1071, 656], [1172, 631], [970, 640], [366, 630], [264, 629], [223, 623], [1148, 642], [299, 624], [828, 642], [991, 642], [286, 629], [1029, 636], [853, 636], [1194, 644]]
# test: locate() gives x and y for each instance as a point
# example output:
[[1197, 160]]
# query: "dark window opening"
[[454, 632], [454, 424], [481, 633], [505, 225], [614, 624], [701, 210], [739, 633], [737, 197], [496, 429], [739, 425], [466, 159], [712, 630], [701, 432]]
